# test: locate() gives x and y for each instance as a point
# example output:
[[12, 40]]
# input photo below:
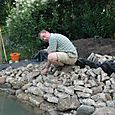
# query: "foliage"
[[73, 18], [21, 29], [5, 7]]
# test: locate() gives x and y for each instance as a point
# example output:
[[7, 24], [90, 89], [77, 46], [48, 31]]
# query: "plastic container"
[[15, 56]]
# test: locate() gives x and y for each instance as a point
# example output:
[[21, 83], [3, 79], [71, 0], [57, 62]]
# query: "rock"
[[60, 94], [36, 100], [110, 104], [100, 104], [89, 102], [65, 90], [99, 97], [46, 106], [68, 103], [85, 110], [51, 98], [35, 91], [2, 80], [83, 95], [26, 86], [23, 96], [104, 111], [51, 112]]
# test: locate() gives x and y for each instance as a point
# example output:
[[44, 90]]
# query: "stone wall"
[[63, 91]]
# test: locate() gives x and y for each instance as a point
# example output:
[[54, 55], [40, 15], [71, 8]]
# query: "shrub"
[[73, 18]]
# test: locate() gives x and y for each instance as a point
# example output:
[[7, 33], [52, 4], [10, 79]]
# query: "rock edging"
[[70, 90]]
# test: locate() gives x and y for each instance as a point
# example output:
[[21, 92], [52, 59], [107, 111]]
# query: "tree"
[[5, 8], [73, 18]]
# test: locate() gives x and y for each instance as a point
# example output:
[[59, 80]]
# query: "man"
[[60, 51]]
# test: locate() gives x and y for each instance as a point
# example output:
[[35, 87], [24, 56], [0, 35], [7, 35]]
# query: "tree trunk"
[[0, 47]]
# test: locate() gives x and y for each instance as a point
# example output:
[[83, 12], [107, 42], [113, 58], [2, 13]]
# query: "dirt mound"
[[100, 46]]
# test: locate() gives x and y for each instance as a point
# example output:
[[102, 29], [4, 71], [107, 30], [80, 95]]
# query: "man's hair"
[[43, 31]]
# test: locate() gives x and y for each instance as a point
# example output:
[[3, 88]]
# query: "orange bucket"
[[15, 56]]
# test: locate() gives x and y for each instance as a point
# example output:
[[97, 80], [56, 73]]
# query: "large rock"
[[68, 103], [104, 111], [85, 110]]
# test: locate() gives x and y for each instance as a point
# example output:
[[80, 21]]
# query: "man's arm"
[[47, 64], [45, 69]]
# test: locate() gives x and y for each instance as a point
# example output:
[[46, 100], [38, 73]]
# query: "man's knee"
[[52, 57]]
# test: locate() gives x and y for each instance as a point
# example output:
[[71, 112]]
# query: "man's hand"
[[46, 49], [44, 71]]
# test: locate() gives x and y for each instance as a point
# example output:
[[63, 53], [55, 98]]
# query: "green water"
[[9, 106]]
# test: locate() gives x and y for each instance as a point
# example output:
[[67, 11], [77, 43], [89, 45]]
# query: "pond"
[[10, 106]]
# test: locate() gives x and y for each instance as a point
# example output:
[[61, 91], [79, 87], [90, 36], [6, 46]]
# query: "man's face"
[[44, 36]]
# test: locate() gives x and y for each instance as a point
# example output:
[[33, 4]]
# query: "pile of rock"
[[66, 91], [100, 58]]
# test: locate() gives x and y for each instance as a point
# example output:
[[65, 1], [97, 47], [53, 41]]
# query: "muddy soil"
[[85, 47]]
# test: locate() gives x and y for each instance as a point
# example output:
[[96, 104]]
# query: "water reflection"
[[9, 106]]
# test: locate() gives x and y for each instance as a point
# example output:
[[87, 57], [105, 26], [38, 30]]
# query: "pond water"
[[10, 106]]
